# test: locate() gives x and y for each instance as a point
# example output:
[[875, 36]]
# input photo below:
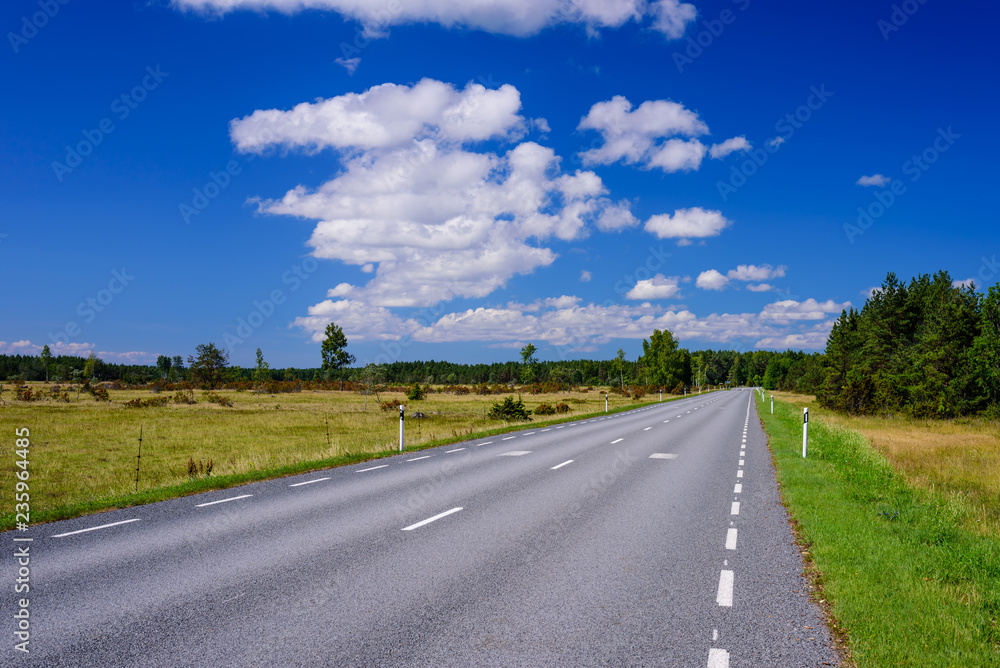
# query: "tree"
[[208, 366], [985, 351], [163, 363], [372, 380], [668, 363], [177, 366], [619, 365], [46, 360], [529, 363], [262, 373], [335, 356], [90, 367]]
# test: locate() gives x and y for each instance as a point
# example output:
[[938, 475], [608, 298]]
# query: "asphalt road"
[[649, 538]]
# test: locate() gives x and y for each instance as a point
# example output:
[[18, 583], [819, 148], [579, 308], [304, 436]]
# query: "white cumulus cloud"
[[658, 287], [711, 280], [719, 151], [692, 223], [649, 136], [417, 202], [752, 272], [873, 180], [508, 17], [386, 116], [789, 310]]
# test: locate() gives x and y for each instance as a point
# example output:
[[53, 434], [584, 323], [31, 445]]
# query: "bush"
[[99, 393], [184, 397], [509, 410], [218, 399], [416, 393], [24, 394], [202, 467], [544, 409], [562, 408], [390, 405], [146, 403]]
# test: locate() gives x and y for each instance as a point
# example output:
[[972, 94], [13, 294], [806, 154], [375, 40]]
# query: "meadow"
[[897, 521], [83, 453]]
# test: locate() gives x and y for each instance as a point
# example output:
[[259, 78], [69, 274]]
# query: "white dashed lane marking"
[[232, 498], [309, 482]]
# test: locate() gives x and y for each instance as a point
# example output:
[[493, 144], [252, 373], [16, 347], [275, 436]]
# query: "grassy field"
[[958, 460], [901, 535], [83, 453]]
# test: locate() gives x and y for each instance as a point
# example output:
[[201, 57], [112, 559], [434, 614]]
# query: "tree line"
[[929, 348]]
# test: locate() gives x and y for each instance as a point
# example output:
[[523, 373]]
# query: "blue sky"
[[452, 180]]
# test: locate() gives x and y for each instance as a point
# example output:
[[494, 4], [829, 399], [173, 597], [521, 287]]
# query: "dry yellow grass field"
[[960, 459]]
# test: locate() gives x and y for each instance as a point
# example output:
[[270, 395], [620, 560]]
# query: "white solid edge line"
[[731, 539], [309, 482], [103, 526], [559, 466], [724, 597], [718, 658], [372, 468], [431, 519], [417, 459], [232, 498]]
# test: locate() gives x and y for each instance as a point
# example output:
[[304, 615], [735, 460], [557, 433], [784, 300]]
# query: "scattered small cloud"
[[776, 142], [760, 287], [873, 180], [658, 134], [719, 151], [687, 224], [585, 276], [753, 272], [658, 287], [711, 280], [349, 64]]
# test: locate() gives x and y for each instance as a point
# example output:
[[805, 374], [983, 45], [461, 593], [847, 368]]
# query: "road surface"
[[648, 538]]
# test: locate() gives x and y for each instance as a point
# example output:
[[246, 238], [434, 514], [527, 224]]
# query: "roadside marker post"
[[772, 404], [605, 403], [401, 407], [805, 432]]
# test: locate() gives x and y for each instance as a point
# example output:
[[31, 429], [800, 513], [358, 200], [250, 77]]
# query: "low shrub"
[[509, 410], [184, 397], [146, 403], [218, 399], [390, 405]]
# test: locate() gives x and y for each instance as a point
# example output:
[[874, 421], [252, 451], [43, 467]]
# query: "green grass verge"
[[105, 502], [904, 582]]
